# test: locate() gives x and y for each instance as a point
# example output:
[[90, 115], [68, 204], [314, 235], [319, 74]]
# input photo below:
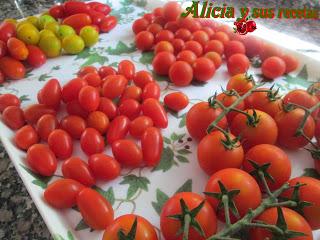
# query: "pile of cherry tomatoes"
[[70, 27]]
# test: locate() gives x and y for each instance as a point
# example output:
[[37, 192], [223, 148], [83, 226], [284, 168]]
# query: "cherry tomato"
[[25, 137], [91, 141], [270, 50], [41, 160], [96, 211], [216, 152], [151, 90], [118, 129], [187, 56], [189, 23], [195, 47], [89, 98], [127, 69], [99, 121], [294, 221], [178, 45], [51, 94], [163, 46], [108, 23], [254, 46], [172, 26], [108, 107], [103, 8], [249, 196], [183, 34], [93, 79], [45, 125], [139, 125], [7, 100], [209, 31], [149, 16], [206, 217], [104, 167], [153, 109], [261, 128], [105, 71], [127, 152], [292, 63], [74, 108], [114, 86], [85, 70], [142, 78], [200, 116], [164, 35], [160, 20], [131, 92], [74, 7], [74, 125], [36, 57], [12, 68], [273, 67], [60, 143], [227, 99], [152, 146], [214, 46], [265, 102], [57, 11], [200, 37], [130, 108], [203, 69], [241, 83], [70, 91], [78, 170], [162, 62], [158, 12], [215, 58], [238, 63], [78, 21], [233, 47], [154, 28], [62, 193], [13, 117], [140, 25], [221, 36], [288, 123], [35, 111], [171, 10], [181, 73], [144, 40], [7, 30], [124, 224], [176, 101]]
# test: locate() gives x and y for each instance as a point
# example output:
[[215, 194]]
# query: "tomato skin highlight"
[[91, 141], [62, 193], [25, 137], [96, 211], [152, 146], [139, 125], [41, 160], [13, 117], [127, 152], [227, 101], [153, 109], [7, 100], [118, 129], [104, 167], [60, 143], [176, 101]]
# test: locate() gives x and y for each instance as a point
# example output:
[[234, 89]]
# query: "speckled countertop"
[[19, 218]]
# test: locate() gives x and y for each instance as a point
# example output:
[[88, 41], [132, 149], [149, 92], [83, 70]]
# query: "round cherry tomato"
[[104, 167], [131, 92], [114, 86], [127, 152], [89, 98], [7, 100], [238, 63], [160, 20], [189, 23], [45, 125], [178, 45], [154, 28], [57, 11], [227, 99], [70, 91], [163, 46], [254, 46], [124, 224], [50, 94], [183, 34], [181, 73], [85, 70], [108, 23], [200, 37], [221, 36], [93, 79], [144, 40], [74, 125], [17, 49], [41, 160], [294, 221], [151, 145], [142, 78], [206, 217], [203, 69], [13, 117], [153, 109], [162, 62], [151, 90], [195, 47], [62, 193], [261, 128], [7, 30], [164, 35], [249, 196], [216, 152], [118, 129], [270, 50], [140, 25], [99, 121], [288, 123], [78, 170], [74, 108], [127, 69], [36, 57], [35, 111], [172, 26], [292, 63], [310, 192], [77, 21], [171, 11], [149, 16], [96, 211], [241, 83], [280, 165], [158, 12], [60, 143], [233, 47], [187, 56], [130, 108], [12, 68], [176, 101], [108, 107], [215, 58], [199, 118], [105, 71], [25, 137], [139, 125], [91, 141], [214, 46], [209, 31], [273, 67]]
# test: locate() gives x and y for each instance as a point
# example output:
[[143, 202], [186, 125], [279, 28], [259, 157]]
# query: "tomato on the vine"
[[227, 99], [241, 83]]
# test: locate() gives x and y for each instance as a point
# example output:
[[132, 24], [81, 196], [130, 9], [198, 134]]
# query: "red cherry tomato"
[[152, 146], [270, 50], [238, 63], [187, 56], [114, 86], [89, 98], [85, 70], [7, 100], [62, 193], [162, 62], [144, 40], [149, 16], [57, 11], [209, 31], [78, 21], [189, 23], [74, 7], [142, 78], [35, 111], [176, 101], [273, 67], [172, 26], [60, 143], [7, 30], [183, 34], [127, 152], [215, 58], [194, 47], [127, 69], [131, 92], [221, 36], [108, 23], [93, 79], [108, 107], [74, 125], [154, 28], [171, 11], [36, 57], [25, 137], [203, 69], [181, 73], [13, 117], [292, 63], [163, 46], [12, 68], [164, 35], [74, 108], [78, 170], [153, 109], [151, 90], [91, 141], [45, 125], [254, 46], [130, 108], [70, 91], [140, 25], [105, 71], [200, 37], [41, 160], [139, 125], [103, 8], [96, 211], [99, 121], [104, 167], [233, 47], [241, 83], [178, 45], [51, 94], [158, 12], [118, 129]]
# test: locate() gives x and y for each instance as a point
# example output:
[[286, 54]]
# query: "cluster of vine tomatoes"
[[30, 41]]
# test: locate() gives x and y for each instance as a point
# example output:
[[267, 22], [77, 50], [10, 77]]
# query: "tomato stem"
[[187, 220], [265, 184], [225, 201]]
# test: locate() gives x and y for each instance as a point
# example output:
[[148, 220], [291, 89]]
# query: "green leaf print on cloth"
[[121, 48], [91, 56], [136, 183], [39, 180]]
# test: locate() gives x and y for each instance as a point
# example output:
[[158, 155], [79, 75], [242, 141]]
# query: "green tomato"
[[50, 45], [52, 26], [44, 19], [89, 35], [64, 31], [29, 34], [73, 44], [33, 20]]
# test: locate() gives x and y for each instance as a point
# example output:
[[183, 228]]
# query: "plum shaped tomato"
[[25, 137], [51, 95], [152, 146], [7, 100], [91, 141], [152, 108]]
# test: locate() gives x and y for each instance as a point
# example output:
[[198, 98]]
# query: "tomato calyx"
[[273, 95], [250, 78], [261, 173], [229, 143], [132, 233], [256, 62], [313, 89], [187, 219], [252, 120], [213, 102], [315, 153]]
